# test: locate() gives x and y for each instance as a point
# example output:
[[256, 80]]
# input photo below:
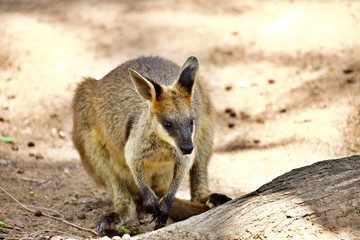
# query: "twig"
[[12, 227], [43, 182], [3, 236], [47, 209], [38, 233], [47, 215]]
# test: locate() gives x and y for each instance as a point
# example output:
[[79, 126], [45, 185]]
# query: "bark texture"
[[319, 201]]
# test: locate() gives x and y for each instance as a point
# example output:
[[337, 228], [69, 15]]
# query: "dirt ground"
[[284, 79]]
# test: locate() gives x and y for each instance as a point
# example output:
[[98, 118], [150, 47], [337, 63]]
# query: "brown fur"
[[125, 148]]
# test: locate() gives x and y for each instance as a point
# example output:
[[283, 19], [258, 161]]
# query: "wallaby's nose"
[[186, 148]]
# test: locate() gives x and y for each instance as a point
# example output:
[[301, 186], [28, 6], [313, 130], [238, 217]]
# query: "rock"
[[4, 162], [105, 238], [228, 88], [271, 81], [231, 125], [38, 213], [350, 80], [39, 156], [126, 237], [61, 134], [81, 215], [14, 147], [348, 71]]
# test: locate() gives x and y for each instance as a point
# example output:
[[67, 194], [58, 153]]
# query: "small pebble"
[[39, 156], [5, 107], [271, 81], [54, 132], [126, 237], [228, 110], [31, 144], [348, 70], [105, 238], [350, 80], [14, 147], [260, 120], [4, 162], [53, 115], [81, 215], [244, 115], [9, 97], [61, 134], [231, 125], [116, 238], [20, 171], [38, 213], [228, 88]]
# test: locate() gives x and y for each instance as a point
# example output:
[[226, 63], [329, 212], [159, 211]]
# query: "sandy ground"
[[284, 78]]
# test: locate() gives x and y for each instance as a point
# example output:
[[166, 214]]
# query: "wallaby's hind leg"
[[199, 180], [198, 175], [96, 159]]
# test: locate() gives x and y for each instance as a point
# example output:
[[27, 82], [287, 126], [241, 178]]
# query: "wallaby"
[[139, 131]]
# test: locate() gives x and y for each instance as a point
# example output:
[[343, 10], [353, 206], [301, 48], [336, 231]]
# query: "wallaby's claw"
[[107, 223], [154, 210], [217, 199]]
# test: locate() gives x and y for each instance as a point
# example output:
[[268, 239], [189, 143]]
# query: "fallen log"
[[319, 201]]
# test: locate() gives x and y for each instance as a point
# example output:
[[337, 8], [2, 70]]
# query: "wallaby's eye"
[[167, 124]]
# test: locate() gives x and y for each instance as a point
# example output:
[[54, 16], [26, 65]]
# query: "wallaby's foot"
[[217, 199], [107, 224]]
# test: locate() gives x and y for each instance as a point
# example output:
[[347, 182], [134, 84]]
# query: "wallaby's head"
[[170, 106]]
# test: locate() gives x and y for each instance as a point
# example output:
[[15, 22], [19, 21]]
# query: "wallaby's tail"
[[183, 209]]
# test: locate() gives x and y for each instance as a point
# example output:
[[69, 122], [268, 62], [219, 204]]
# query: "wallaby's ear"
[[188, 75], [147, 88]]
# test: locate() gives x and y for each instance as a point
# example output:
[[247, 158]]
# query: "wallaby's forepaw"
[[163, 215], [160, 221], [152, 206], [216, 199]]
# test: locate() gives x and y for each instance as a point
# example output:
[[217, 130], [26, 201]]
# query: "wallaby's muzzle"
[[186, 148]]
